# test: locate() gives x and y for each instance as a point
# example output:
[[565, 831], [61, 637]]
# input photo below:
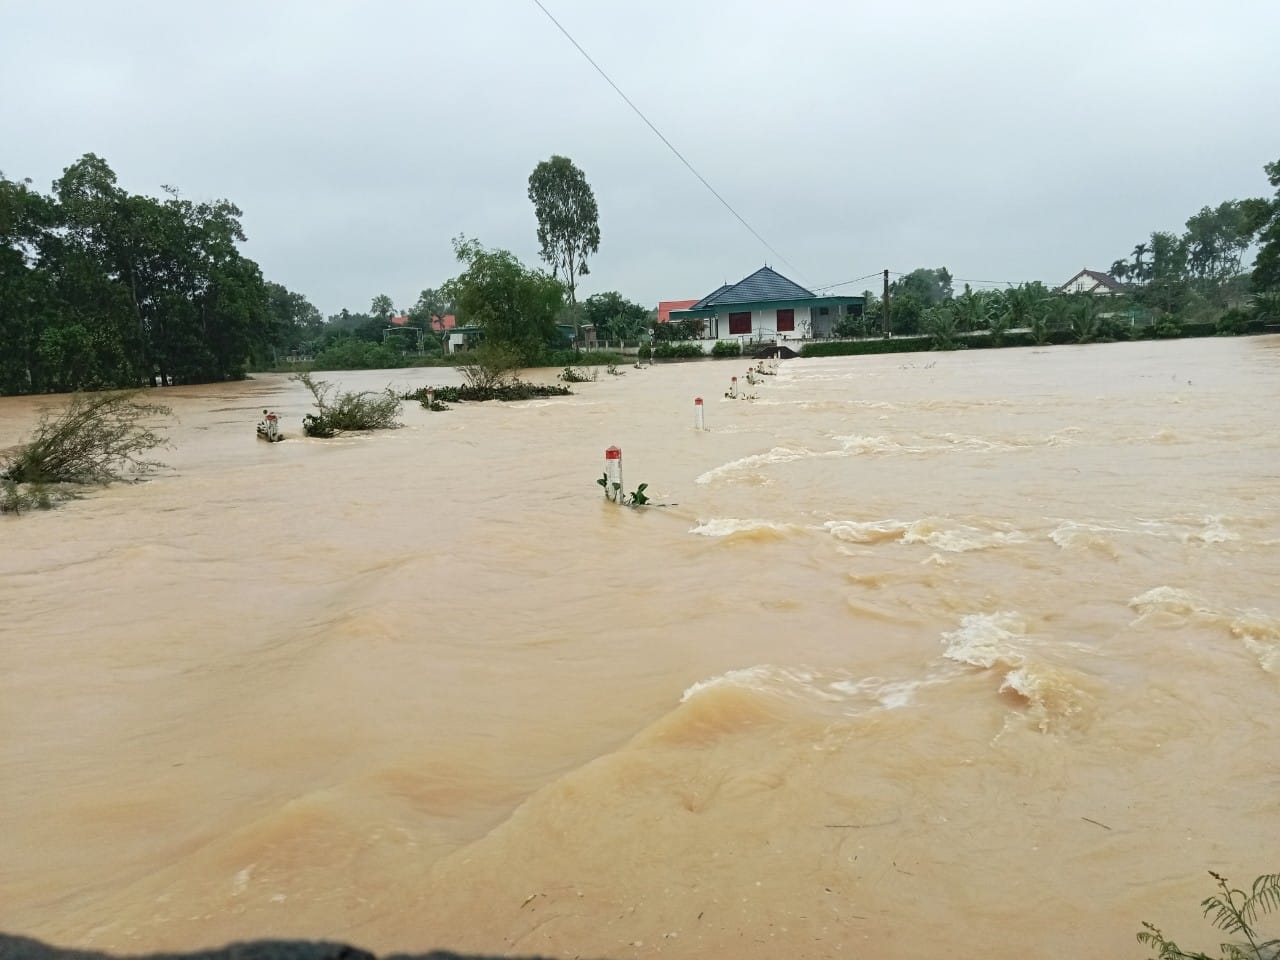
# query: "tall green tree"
[[568, 219], [103, 288], [514, 306], [382, 307], [615, 317], [1264, 219], [295, 322], [928, 287], [1216, 241]]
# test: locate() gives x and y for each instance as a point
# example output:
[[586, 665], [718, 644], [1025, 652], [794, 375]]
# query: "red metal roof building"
[[666, 306]]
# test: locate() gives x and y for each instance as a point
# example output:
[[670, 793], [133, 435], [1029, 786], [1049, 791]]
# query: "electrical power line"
[[845, 283], [670, 146]]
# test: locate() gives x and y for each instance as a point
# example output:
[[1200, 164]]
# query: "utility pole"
[[884, 313]]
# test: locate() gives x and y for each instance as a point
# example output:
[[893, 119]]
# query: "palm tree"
[[1085, 322], [1140, 251], [1120, 270], [941, 323]]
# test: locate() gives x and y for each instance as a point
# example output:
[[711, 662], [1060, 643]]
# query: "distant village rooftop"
[[764, 306], [1092, 281]]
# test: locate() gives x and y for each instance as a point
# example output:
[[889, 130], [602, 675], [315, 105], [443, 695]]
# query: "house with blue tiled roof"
[[766, 307]]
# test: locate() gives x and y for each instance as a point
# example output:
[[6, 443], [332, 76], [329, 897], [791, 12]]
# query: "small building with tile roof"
[[766, 307], [666, 306], [1092, 281]]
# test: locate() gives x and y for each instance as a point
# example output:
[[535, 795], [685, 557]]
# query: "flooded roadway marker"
[[613, 473], [699, 421], [733, 387]]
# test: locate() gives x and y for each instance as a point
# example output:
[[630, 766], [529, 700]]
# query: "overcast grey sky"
[[1004, 140]]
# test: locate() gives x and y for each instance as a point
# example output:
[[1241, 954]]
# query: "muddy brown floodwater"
[[966, 654]]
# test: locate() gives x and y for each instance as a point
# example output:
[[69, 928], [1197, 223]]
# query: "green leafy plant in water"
[[613, 492], [1233, 911]]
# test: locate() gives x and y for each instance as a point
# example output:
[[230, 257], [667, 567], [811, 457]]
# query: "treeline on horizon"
[[101, 288], [1171, 284]]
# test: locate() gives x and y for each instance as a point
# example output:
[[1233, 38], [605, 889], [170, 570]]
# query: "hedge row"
[[982, 341]]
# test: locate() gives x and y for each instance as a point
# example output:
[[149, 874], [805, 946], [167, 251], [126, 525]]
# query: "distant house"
[[438, 324], [461, 338], [666, 306], [767, 307], [458, 339], [1092, 281]]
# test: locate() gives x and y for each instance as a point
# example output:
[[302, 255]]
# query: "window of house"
[[823, 311], [739, 323], [853, 309], [786, 320]]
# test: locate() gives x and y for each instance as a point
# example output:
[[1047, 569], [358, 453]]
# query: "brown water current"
[[970, 654]]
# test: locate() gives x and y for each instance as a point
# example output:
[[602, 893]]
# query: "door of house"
[[786, 321]]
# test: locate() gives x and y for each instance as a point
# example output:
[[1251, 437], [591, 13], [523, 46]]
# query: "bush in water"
[[96, 439], [347, 411]]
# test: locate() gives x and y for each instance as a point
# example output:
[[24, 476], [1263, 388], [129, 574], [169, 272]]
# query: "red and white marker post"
[[699, 420], [613, 473]]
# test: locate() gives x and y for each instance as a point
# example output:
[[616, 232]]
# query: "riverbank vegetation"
[[101, 288], [1188, 284]]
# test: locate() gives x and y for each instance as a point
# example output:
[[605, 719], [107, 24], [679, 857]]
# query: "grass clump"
[[99, 438], [345, 411]]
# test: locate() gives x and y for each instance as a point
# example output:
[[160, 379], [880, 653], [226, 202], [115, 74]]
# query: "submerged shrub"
[[575, 375], [15, 498], [364, 410], [98, 438], [512, 390], [489, 366]]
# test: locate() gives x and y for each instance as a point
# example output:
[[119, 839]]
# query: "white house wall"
[[764, 325]]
